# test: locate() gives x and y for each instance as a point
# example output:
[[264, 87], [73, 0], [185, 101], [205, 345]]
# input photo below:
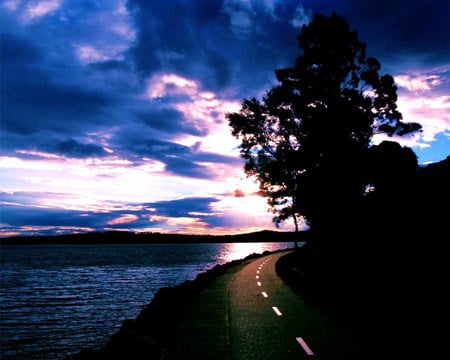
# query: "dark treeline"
[[124, 237], [378, 221], [384, 267]]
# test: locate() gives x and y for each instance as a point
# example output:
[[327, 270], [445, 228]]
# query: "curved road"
[[252, 315]]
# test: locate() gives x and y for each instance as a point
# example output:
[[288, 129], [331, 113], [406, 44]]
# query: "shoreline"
[[149, 333], [131, 238]]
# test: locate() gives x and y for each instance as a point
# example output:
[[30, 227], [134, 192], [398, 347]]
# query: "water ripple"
[[55, 300]]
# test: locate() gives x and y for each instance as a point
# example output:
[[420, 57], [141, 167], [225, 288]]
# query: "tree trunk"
[[296, 230]]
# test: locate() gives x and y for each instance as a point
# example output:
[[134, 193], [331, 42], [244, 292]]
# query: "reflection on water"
[[230, 252], [55, 300]]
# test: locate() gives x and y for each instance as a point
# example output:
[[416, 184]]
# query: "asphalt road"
[[267, 320], [250, 314]]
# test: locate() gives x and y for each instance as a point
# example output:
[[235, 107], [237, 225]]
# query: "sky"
[[113, 111]]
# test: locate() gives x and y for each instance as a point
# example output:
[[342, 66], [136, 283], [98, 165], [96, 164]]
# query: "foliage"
[[306, 141]]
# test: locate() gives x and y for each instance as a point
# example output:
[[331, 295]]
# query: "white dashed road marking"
[[277, 311], [304, 346]]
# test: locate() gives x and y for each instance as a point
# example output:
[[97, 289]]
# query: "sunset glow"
[[109, 121]]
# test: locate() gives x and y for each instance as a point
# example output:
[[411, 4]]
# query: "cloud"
[[182, 207], [38, 9], [240, 20], [162, 85], [432, 112], [178, 159], [93, 181], [239, 14], [11, 5], [424, 98], [36, 104], [194, 215], [239, 193], [32, 100], [103, 24], [173, 109], [183, 167], [109, 107], [109, 65], [181, 126], [18, 215], [40, 108], [123, 219], [301, 17], [167, 120], [211, 48], [416, 30], [200, 165], [418, 83], [24, 210], [195, 118], [73, 148], [18, 50], [181, 225], [46, 103], [89, 54]]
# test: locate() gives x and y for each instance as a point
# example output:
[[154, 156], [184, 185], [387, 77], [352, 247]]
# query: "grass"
[[203, 334]]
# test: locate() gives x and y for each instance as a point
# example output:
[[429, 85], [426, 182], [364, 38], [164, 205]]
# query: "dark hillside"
[[121, 237], [387, 275]]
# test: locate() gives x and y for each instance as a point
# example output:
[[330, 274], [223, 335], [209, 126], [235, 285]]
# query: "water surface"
[[57, 299]]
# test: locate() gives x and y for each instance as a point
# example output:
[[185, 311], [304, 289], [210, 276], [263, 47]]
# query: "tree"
[[392, 170], [306, 141]]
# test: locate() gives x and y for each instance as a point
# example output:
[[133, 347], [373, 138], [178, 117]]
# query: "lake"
[[57, 299]]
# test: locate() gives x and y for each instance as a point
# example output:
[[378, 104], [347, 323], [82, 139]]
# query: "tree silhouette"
[[306, 141], [392, 168]]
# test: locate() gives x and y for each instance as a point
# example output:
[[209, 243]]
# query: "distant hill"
[[436, 174], [122, 237], [432, 198]]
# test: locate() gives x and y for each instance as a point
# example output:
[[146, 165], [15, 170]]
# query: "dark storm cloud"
[[179, 159], [17, 51], [182, 207], [143, 145], [77, 79], [18, 216], [40, 147], [48, 106], [55, 98], [35, 107], [410, 33], [183, 167], [20, 210], [196, 207], [108, 65], [74, 149], [49, 95], [189, 165], [220, 43], [169, 121], [32, 100]]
